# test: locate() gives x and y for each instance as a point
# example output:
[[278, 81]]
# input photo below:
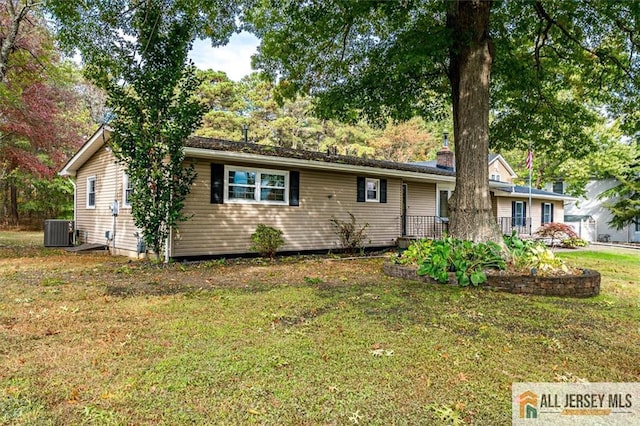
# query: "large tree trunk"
[[470, 211]]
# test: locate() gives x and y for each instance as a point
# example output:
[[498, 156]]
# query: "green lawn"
[[92, 339]]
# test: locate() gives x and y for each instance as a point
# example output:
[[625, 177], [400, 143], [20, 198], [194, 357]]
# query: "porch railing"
[[423, 226], [434, 226], [522, 226]]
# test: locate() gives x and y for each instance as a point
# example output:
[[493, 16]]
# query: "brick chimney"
[[445, 158]]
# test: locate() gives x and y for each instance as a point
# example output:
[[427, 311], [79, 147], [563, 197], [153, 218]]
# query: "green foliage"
[[624, 199], [416, 253], [519, 249], [574, 242], [150, 88], [555, 70], [533, 256], [352, 236], [266, 240], [543, 261], [466, 259], [47, 198]]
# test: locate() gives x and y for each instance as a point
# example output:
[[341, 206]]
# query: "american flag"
[[530, 160]]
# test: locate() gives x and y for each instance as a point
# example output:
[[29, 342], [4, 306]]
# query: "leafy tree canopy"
[[43, 118], [546, 69], [137, 52], [252, 102], [625, 197]]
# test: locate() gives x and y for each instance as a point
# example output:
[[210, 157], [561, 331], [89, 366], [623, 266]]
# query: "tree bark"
[[17, 13], [15, 219], [471, 56]]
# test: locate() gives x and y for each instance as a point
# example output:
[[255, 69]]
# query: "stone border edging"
[[585, 285]]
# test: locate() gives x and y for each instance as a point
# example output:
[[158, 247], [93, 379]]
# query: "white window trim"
[[95, 192], [496, 177], [125, 185], [439, 188], [544, 205], [523, 217], [366, 190], [258, 172]]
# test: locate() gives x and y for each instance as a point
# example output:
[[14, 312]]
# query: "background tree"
[[253, 102], [42, 118], [625, 206], [137, 52], [150, 89], [535, 61]]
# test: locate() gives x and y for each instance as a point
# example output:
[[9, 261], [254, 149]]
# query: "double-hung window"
[[547, 213], [373, 190], [249, 185], [91, 192], [519, 216], [127, 190]]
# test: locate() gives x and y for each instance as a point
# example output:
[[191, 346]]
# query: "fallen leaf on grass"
[[462, 377]]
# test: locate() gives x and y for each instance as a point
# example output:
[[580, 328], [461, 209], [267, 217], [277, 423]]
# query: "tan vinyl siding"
[[95, 222], [421, 199], [498, 168], [504, 210], [226, 228]]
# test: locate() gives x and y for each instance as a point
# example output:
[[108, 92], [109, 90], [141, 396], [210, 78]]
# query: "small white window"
[[127, 190], [373, 190], [495, 177], [91, 192]]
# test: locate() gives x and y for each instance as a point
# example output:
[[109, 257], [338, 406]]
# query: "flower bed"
[[585, 285]]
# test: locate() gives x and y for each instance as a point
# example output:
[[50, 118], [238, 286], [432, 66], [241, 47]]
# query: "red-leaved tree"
[[41, 120]]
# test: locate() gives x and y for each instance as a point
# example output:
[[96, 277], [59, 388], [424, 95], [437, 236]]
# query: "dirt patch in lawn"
[[253, 275]]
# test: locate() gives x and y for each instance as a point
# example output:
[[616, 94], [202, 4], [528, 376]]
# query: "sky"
[[234, 58]]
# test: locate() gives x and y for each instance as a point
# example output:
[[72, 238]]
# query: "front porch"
[[433, 227]]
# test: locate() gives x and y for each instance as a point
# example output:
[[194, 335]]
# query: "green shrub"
[[466, 259], [351, 235], [544, 262], [416, 253], [266, 240], [533, 256], [573, 242]]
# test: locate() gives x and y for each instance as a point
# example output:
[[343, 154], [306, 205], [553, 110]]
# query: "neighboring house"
[[590, 218], [240, 185], [511, 204]]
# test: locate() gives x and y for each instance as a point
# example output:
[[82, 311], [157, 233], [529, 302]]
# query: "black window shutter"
[[524, 214], [217, 183], [551, 218], [542, 214], [513, 213], [361, 189], [294, 188], [383, 190]]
